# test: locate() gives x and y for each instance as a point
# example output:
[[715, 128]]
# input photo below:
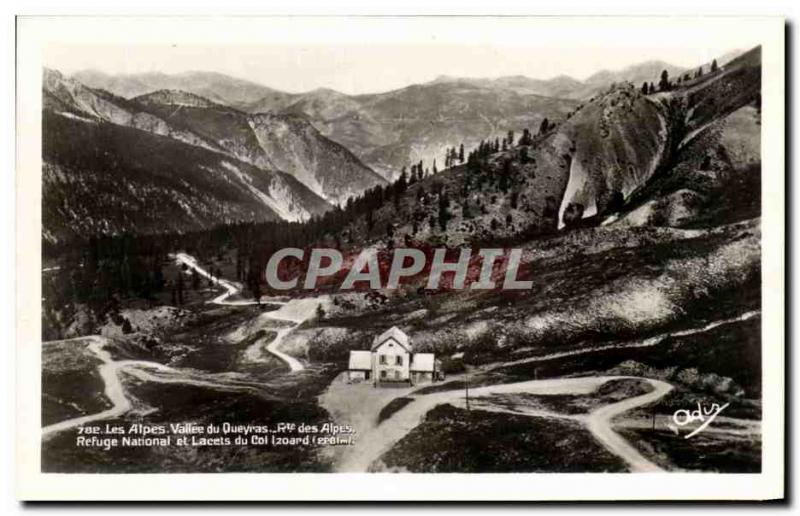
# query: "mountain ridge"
[[624, 158], [200, 121]]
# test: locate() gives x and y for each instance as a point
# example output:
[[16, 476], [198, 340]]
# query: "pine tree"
[[505, 175], [644, 88], [370, 220], [526, 135], [663, 83], [544, 126], [714, 66], [444, 215], [400, 187], [461, 153]]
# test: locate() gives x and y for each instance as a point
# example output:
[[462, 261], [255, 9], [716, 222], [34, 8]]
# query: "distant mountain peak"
[[214, 86]]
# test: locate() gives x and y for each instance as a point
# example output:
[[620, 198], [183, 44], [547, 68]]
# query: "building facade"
[[391, 360]]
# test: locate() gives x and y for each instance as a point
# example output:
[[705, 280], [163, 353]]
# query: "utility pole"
[[654, 418]]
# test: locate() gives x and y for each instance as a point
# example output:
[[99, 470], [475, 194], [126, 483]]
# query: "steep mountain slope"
[[391, 130], [388, 131], [274, 141], [397, 128], [290, 144], [713, 168], [71, 98], [101, 178], [218, 87], [95, 140], [624, 158]]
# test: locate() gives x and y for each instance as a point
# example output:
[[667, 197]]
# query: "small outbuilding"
[[359, 368]]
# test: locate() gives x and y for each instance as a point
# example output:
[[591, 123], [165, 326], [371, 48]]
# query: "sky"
[[372, 55]]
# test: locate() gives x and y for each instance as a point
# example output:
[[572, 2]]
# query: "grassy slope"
[[452, 440]]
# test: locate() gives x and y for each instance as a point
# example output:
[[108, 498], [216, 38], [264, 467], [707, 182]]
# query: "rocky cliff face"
[[280, 164], [389, 131], [328, 169], [112, 165], [67, 96], [617, 142], [670, 158], [282, 142]]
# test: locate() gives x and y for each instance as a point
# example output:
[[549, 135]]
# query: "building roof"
[[360, 360], [393, 333], [422, 362]]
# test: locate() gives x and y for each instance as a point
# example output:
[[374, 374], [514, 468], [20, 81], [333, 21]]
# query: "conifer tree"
[[663, 83], [545, 125], [443, 213]]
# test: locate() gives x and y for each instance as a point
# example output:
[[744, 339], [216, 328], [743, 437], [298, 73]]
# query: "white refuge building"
[[391, 360]]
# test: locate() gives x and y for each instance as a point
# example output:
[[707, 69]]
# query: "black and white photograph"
[[468, 245]]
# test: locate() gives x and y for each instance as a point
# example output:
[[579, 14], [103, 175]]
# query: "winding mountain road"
[[295, 311], [110, 370], [376, 441]]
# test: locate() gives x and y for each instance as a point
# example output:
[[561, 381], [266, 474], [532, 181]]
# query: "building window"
[[397, 375], [383, 374], [383, 359], [398, 360]]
